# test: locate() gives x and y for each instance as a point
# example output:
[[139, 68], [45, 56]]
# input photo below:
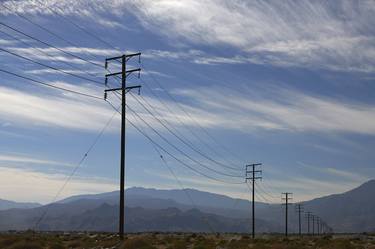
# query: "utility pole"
[[318, 225], [313, 224], [308, 216], [286, 199], [251, 174], [299, 210], [124, 89]]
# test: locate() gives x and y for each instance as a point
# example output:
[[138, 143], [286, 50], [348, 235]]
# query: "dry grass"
[[29, 240]]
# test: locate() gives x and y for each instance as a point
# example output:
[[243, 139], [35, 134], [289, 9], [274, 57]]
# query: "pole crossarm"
[[287, 203], [124, 89], [251, 175]]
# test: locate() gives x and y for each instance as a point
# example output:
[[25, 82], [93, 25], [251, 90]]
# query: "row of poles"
[[252, 172], [315, 224]]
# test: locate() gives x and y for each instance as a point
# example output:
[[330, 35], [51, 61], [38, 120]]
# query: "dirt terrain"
[[30, 240]]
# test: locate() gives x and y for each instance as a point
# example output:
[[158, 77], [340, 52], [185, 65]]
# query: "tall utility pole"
[[124, 89], [299, 210], [286, 199], [308, 216], [251, 174]]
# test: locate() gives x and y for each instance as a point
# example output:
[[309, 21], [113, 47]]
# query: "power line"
[[58, 36], [179, 150], [187, 113], [50, 67], [176, 158], [75, 169], [46, 30], [46, 53], [179, 182], [199, 138], [49, 45], [50, 85], [182, 139], [78, 26]]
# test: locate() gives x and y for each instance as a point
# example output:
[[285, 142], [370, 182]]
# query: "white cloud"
[[335, 35], [17, 184], [64, 110], [24, 159], [329, 35], [286, 110]]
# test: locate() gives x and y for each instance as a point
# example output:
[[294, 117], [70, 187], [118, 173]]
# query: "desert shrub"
[[138, 243], [178, 244], [6, 242], [238, 244], [203, 243], [27, 245], [57, 245]]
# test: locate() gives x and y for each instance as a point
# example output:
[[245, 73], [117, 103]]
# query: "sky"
[[289, 84]]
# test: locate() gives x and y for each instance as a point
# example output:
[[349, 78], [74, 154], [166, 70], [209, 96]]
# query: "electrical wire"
[[47, 54], [47, 30], [70, 176], [50, 67], [174, 157], [50, 85], [186, 112], [50, 45], [179, 150], [78, 26], [179, 137], [178, 119], [165, 163]]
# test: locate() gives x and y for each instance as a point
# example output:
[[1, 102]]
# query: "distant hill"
[[201, 198], [352, 211], [5, 204], [77, 216], [171, 210]]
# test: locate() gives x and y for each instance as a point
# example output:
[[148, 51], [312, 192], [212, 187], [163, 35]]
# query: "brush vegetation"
[[30, 240]]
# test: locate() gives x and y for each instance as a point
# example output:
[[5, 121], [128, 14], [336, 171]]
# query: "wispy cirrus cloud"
[[316, 34], [288, 110], [26, 159], [17, 184]]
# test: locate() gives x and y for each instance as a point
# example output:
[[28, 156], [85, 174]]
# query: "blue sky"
[[286, 83]]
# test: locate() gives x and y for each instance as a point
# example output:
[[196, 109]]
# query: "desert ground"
[[31, 240]]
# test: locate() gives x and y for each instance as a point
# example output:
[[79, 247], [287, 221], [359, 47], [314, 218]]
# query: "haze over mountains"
[[5, 204], [173, 210]]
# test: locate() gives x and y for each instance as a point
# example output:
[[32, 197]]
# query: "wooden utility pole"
[[299, 210], [286, 199], [124, 89], [251, 175]]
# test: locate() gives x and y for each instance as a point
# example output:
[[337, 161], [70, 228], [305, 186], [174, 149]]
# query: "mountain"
[[351, 211], [183, 199], [5, 204], [76, 216], [172, 210], [200, 198]]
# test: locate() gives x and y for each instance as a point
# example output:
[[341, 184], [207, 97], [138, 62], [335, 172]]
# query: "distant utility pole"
[[313, 224], [251, 174], [299, 210], [286, 199], [124, 89], [308, 216], [318, 225]]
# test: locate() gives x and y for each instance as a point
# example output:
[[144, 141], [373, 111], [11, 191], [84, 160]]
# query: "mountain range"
[[188, 210], [5, 204]]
